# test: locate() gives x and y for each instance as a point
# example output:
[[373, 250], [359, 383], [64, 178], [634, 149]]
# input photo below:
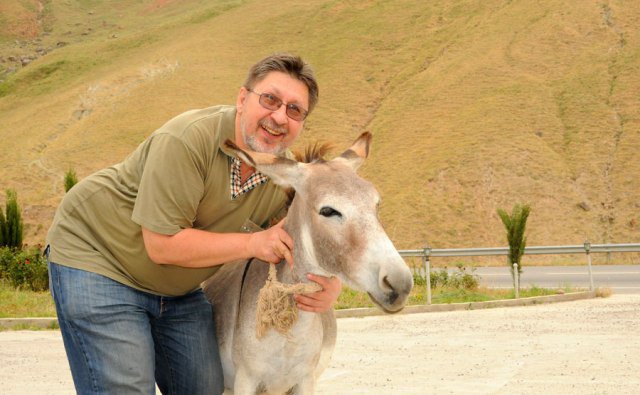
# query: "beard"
[[252, 141]]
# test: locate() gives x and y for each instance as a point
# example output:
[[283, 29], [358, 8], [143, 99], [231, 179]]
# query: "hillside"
[[474, 105]]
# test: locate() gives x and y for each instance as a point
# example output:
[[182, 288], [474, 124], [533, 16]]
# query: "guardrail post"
[[587, 250], [427, 271], [516, 280]]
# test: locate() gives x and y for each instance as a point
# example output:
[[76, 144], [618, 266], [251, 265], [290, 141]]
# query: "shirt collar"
[[238, 189]]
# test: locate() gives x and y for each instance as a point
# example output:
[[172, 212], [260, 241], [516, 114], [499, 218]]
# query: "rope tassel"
[[276, 308]]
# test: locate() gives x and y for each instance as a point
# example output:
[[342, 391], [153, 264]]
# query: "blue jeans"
[[122, 341]]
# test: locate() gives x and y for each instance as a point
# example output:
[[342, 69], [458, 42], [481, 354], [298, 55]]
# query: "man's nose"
[[280, 115]]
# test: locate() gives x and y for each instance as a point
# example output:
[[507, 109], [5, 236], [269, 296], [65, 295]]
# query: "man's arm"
[[197, 248]]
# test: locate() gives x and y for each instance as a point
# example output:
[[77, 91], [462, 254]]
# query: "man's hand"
[[271, 245], [321, 301]]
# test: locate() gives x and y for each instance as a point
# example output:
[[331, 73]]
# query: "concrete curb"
[[365, 312], [29, 323], [52, 322]]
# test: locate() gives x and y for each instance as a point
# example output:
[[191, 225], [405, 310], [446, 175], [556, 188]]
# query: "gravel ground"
[[583, 347]]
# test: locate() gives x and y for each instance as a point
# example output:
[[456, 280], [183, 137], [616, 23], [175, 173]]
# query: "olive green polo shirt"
[[178, 178]]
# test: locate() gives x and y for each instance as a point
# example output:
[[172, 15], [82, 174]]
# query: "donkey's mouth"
[[390, 307]]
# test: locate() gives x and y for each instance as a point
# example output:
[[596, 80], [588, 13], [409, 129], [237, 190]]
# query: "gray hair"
[[289, 64]]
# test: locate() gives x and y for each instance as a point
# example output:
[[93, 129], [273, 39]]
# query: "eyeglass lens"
[[273, 103]]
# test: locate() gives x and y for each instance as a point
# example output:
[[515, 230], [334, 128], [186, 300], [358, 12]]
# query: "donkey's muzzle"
[[394, 291]]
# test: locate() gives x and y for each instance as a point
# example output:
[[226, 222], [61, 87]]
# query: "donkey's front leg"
[[244, 384], [304, 387]]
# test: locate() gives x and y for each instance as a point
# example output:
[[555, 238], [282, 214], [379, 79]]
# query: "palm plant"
[[515, 225]]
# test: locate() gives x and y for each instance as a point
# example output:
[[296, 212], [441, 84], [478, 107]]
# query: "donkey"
[[334, 224]]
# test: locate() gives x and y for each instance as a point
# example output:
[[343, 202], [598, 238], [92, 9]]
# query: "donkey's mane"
[[313, 153]]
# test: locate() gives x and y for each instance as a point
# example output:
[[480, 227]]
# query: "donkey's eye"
[[327, 211]]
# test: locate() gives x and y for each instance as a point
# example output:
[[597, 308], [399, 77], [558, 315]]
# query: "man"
[[130, 244]]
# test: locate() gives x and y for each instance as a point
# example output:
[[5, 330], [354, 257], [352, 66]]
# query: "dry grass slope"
[[474, 105]]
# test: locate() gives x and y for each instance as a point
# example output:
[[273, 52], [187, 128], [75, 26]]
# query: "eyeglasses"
[[273, 103]]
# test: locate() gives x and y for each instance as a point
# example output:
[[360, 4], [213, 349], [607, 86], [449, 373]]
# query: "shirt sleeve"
[[171, 186]]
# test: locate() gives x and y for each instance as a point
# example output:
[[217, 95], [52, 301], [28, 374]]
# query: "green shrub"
[[25, 269], [418, 279], [440, 278], [3, 227], [6, 258], [469, 281], [70, 179]]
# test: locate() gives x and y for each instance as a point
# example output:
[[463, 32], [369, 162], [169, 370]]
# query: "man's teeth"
[[272, 132]]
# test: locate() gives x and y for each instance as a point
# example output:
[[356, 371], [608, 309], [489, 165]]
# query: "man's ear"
[[242, 97]]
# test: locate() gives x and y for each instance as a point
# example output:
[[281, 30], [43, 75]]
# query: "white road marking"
[[594, 273]]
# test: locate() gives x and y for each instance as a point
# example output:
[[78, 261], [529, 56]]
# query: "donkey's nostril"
[[392, 295], [385, 281]]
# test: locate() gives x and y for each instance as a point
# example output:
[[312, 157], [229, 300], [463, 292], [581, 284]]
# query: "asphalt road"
[[621, 279]]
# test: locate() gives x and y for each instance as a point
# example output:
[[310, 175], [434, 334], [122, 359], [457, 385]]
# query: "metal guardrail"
[[587, 248], [537, 250]]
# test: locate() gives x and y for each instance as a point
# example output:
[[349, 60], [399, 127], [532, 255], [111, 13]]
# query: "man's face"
[[263, 130]]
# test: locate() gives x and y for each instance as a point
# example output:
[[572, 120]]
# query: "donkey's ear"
[[358, 152], [283, 171]]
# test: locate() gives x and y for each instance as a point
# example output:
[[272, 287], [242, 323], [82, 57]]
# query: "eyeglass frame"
[[288, 106]]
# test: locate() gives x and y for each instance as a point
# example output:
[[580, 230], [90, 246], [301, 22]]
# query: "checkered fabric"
[[254, 180]]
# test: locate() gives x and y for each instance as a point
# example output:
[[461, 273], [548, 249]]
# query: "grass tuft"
[[18, 303]]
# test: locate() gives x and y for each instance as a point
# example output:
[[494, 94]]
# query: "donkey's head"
[[334, 223]]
